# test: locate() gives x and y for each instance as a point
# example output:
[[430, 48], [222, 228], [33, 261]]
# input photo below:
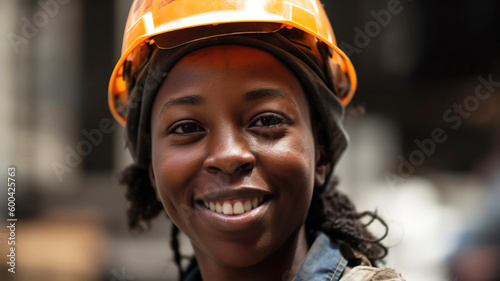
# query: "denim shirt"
[[323, 262]]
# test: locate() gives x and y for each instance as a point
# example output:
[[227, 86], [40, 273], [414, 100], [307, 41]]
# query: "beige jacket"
[[363, 269], [367, 273]]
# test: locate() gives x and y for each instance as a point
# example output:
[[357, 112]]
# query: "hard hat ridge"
[[173, 23]]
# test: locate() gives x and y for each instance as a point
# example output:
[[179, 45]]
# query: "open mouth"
[[234, 207]]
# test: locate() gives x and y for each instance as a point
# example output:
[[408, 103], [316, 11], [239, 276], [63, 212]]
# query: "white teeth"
[[255, 202], [227, 209], [238, 208], [248, 206]]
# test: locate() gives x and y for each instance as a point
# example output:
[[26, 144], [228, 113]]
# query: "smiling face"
[[233, 154]]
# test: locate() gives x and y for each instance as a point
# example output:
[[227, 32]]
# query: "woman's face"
[[233, 153]]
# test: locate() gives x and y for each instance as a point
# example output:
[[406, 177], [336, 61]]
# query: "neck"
[[282, 265]]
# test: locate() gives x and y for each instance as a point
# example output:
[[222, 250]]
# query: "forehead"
[[238, 59], [234, 68]]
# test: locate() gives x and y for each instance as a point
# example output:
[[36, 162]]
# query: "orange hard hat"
[[171, 23]]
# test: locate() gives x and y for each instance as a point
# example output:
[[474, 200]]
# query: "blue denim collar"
[[323, 262]]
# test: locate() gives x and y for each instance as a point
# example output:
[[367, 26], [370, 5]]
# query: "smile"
[[230, 214], [234, 207]]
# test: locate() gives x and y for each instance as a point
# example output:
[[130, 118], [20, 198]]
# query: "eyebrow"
[[249, 96], [187, 100], [267, 92]]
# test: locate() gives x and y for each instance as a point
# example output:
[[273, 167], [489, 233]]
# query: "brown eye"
[[185, 128], [269, 120]]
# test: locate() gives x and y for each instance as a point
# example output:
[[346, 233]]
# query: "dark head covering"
[[326, 108]]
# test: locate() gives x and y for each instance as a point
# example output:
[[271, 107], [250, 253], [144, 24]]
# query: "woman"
[[233, 115]]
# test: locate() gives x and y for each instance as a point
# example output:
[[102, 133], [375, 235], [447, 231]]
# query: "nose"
[[229, 153]]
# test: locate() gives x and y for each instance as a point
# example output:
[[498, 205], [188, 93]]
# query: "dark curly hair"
[[330, 212]]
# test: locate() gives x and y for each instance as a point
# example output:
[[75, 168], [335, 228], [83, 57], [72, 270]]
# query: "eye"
[[185, 128], [270, 120]]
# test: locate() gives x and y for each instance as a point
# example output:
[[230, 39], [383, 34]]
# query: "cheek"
[[289, 167], [173, 170], [292, 161]]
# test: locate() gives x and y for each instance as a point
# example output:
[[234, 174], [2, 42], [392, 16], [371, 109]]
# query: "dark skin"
[[231, 124]]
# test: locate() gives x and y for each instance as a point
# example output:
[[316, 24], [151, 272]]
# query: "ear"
[[322, 165]]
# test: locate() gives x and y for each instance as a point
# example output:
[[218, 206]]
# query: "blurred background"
[[425, 155]]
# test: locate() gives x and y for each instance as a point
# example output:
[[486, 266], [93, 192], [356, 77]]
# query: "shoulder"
[[362, 268], [360, 273], [328, 261]]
